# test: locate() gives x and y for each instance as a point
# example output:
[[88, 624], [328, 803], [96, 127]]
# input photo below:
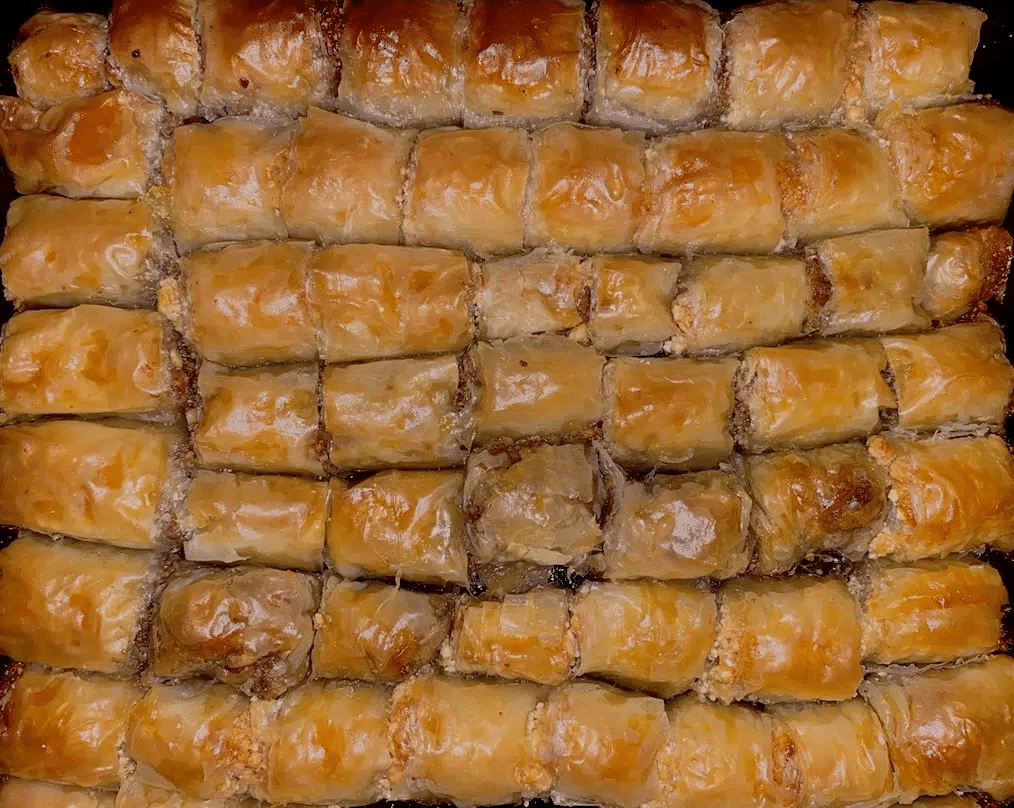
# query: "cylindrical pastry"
[[263, 419], [646, 635], [64, 727], [264, 519], [400, 524], [106, 482], [671, 414], [947, 496], [672, 527], [792, 639], [90, 360], [965, 269], [929, 611], [376, 631], [69, 604], [949, 729], [632, 304], [20, 793], [58, 150]]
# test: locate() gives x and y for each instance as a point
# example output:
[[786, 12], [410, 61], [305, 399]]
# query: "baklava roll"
[[678, 526], [398, 412], [726, 303], [19, 793], [57, 151], [949, 729], [965, 269], [276, 521], [225, 181], [536, 387], [671, 414], [377, 632], [468, 742], [541, 291], [401, 61], [97, 618], [632, 304], [375, 302], [90, 360], [521, 637], [807, 502], [656, 63], [259, 420], [244, 304], [810, 394], [325, 742], [602, 744], [406, 525], [792, 639], [955, 164], [714, 191], [955, 377], [929, 611], [947, 496], [106, 482], [466, 190], [194, 738], [154, 51], [134, 793], [59, 57], [787, 62], [645, 635], [62, 252], [345, 179], [247, 626], [539, 503], [64, 727], [264, 57]]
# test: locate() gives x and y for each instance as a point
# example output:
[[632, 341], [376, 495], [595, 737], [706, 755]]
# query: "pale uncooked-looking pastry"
[[632, 304]]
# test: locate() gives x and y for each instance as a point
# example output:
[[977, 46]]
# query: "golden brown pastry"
[[788, 639], [377, 632], [345, 179], [277, 521], [536, 386], [930, 611], [471, 742], [375, 302], [401, 61], [812, 393], [134, 793], [632, 304], [69, 604], [406, 525], [259, 420], [58, 57], [950, 729], [714, 191], [325, 741], [19, 793], [60, 151], [678, 526], [225, 181], [466, 190], [398, 412], [965, 269], [656, 63], [154, 51], [948, 496], [62, 252], [727, 303], [807, 502], [787, 62], [646, 635], [263, 57], [64, 727], [105, 482], [955, 164], [670, 414]]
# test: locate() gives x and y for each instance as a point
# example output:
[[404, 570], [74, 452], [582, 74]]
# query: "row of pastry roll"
[[658, 65], [327, 743]]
